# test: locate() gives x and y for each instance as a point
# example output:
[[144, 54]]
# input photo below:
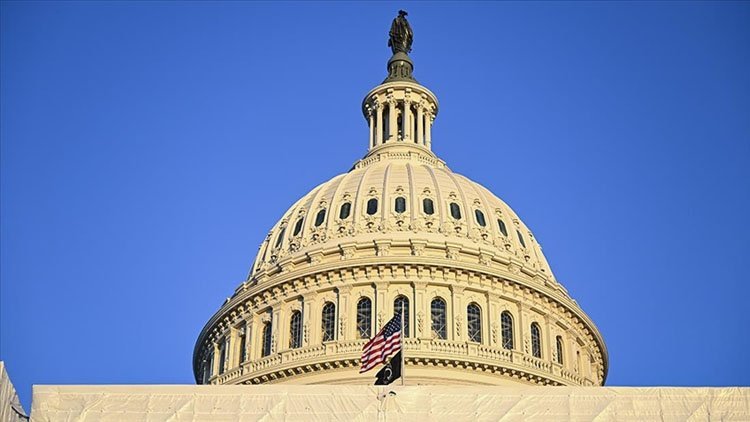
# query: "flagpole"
[[403, 334]]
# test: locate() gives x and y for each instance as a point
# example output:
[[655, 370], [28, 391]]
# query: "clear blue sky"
[[147, 148]]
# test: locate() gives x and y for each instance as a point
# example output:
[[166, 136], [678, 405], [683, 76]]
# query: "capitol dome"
[[401, 231]]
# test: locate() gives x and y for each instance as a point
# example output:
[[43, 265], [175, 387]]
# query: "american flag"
[[383, 345]]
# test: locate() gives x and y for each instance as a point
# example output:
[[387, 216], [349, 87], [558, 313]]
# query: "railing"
[[352, 349]]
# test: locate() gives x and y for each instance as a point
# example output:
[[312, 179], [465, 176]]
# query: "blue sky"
[[147, 148]]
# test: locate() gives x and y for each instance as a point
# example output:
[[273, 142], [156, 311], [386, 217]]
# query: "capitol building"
[[489, 332], [401, 230]]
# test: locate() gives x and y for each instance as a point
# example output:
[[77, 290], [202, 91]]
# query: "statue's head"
[[402, 13]]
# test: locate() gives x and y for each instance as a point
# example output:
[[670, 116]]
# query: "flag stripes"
[[382, 346]]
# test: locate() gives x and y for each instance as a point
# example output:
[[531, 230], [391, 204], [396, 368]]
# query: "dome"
[[400, 234], [403, 202]]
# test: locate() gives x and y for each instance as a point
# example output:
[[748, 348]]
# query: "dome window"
[[295, 330], [520, 239], [401, 304], [474, 326], [223, 356], [400, 204], [503, 229], [428, 206], [266, 350], [559, 342], [536, 340], [346, 209], [455, 211], [480, 218], [243, 343], [320, 217], [372, 206], [280, 238], [298, 227], [364, 317], [329, 321], [506, 325], [439, 319]]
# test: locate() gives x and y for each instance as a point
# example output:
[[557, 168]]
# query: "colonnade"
[[404, 119]]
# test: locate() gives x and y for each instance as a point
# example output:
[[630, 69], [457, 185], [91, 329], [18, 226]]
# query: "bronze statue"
[[401, 34]]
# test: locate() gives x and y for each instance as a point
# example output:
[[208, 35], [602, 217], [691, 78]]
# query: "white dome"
[[400, 233]]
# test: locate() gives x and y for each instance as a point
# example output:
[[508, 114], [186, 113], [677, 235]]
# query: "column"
[[428, 129], [344, 312], [419, 139], [308, 332], [392, 120], [379, 124], [371, 121], [276, 329], [458, 314], [406, 120], [215, 360], [249, 337]]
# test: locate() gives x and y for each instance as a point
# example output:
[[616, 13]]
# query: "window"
[[280, 238], [320, 218], [298, 227], [559, 342], [520, 239], [364, 318], [506, 325], [480, 218], [536, 340], [372, 206], [400, 204], [346, 209], [295, 330], [209, 368], [222, 356], [474, 327], [329, 321], [401, 304], [243, 333], [503, 229], [455, 211], [428, 206], [266, 340], [439, 318]]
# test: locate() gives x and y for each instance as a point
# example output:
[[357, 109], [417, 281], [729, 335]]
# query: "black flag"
[[390, 372]]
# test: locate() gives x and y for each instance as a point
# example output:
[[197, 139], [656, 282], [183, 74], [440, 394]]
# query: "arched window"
[[520, 239], [320, 217], [329, 321], [439, 319], [503, 229], [506, 325], [209, 368], [401, 304], [266, 350], [346, 209], [400, 204], [480, 218], [223, 356], [364, 318], [559, 342], [474, 326], [428, 206], [295, 330], [243, 343], [536, 340], [455, 211], [280, 238], [372, 206], [298, 227]]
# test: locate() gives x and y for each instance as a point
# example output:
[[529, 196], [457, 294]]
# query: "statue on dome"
[[401, 35]]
